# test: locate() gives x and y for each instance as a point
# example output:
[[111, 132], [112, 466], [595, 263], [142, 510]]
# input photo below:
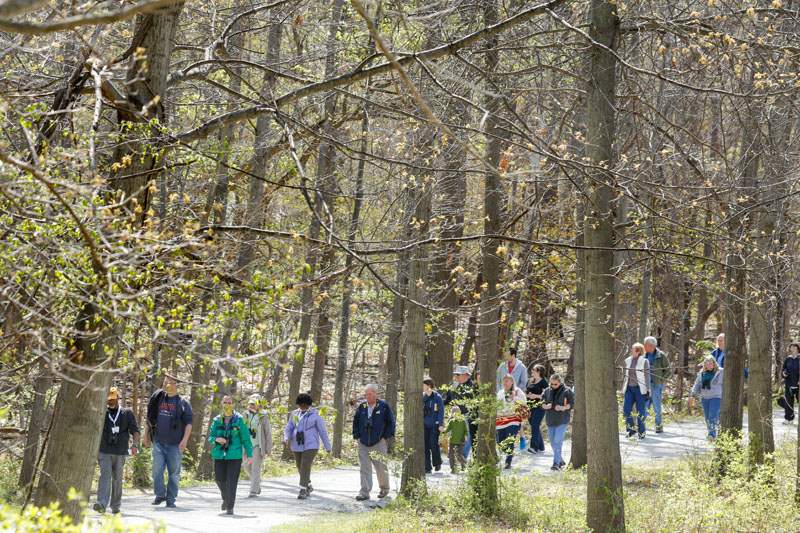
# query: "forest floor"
[[334, 489]]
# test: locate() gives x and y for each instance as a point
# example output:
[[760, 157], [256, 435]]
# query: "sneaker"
[[562, 464], [229, 511], [303, 494], [171, 505], [361, 498], [555, 467], [438, 468], [427, 471], [99, 508], [631, 433], [383, 493], [532, 451], [159, 500], [508, 466], [309, 489], [114, 511], [659, 429], [640, 436], [252, 495]]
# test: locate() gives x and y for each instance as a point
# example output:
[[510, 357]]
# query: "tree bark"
[[36, 423], [605, 509]]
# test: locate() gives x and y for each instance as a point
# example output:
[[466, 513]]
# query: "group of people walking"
[[243, 440]]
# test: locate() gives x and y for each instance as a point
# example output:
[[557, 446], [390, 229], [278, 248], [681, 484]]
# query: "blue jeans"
[[166, 456], [711, 409], [473, 430], [537, 441], [507, 446], [633, 395], [556, 435], [656, 392]]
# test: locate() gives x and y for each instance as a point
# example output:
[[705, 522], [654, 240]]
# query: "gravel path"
[[198, 508]]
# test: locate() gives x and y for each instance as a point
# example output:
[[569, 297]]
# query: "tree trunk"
[[414, 346], [605, 508], [398, 308], [145, 89], [77, 419], [489, 324], [578, 455], [37, 421]]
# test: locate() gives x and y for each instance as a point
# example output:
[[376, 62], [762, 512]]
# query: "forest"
[[290, 197]]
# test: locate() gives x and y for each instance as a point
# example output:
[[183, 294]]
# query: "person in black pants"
[[433, 420], [230, 438], [791, 377], [534, 392]]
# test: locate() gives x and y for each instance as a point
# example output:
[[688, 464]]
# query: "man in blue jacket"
[[373, 426], [433, 416]]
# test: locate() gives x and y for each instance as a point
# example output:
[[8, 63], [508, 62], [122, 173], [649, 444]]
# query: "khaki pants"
[[369, 456], [455, 453], [254, 470], [303, 461]]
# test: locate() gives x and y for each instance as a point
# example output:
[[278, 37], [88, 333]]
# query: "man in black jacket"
[[791, 377], [120, 424]]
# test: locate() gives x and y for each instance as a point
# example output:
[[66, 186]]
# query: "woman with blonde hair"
[[708, 387], [510, 413], [636, 389]]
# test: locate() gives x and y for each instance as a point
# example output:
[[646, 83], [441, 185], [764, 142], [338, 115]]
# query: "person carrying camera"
[[302, 434], [261, 435], [120, 424], [169, 424], [373, 426], [228, 435]]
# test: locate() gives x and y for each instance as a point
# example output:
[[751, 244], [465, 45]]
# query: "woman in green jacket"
[[229, 435]]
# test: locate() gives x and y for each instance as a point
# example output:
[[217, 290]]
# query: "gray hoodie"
[[716, 386]]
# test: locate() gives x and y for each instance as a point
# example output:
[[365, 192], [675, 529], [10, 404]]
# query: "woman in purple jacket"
[[303, 433]]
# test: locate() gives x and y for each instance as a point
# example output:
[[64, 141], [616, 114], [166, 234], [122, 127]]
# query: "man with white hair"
[[660, 370], [373, 426]]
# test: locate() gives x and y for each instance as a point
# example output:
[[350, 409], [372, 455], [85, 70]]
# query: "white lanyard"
[[114, 420]]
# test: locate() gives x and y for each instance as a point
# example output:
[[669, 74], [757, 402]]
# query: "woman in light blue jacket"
[[708, 387], [303, 433]]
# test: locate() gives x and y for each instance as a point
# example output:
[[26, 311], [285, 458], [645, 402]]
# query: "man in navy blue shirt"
[[373, 426], [433, 421], [719, 352], [169, 423]]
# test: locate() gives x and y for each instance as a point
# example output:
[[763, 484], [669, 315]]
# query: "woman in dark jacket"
[[534, 392]]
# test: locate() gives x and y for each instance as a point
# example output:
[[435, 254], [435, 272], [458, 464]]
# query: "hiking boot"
[[99, 508], [659, 429], [159, 500], [303, 494], [229, 511], [438, 468], [171, 505], [383, 493], [361, 497], [114, 511]]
